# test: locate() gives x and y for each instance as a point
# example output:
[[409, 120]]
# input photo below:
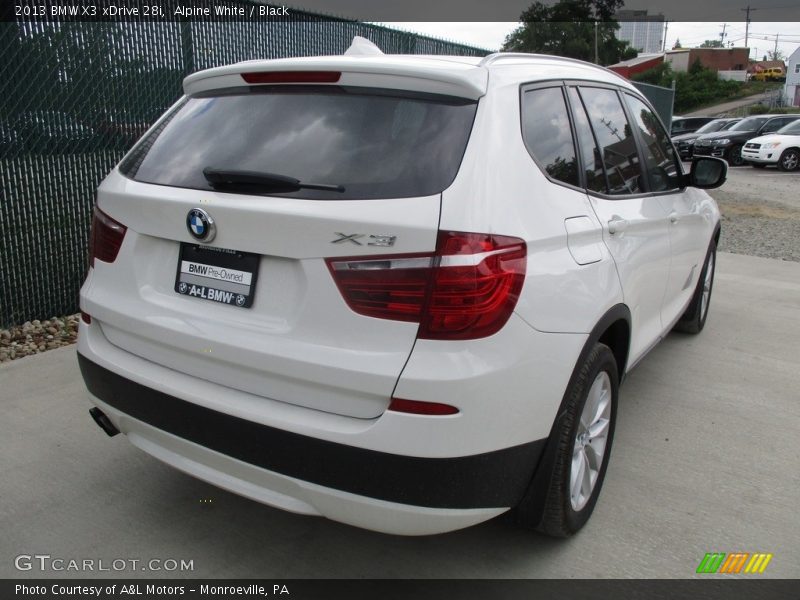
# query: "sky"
[[761, 35]]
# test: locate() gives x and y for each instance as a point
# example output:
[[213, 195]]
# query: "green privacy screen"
[[74, 96]]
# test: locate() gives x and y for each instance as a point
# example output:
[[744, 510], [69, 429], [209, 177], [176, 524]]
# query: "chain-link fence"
[[74, 96]]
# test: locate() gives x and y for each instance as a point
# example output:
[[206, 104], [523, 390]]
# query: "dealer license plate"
[[217, 275]]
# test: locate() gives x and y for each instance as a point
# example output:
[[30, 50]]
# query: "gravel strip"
[[759, 235], [753, 225], [34, 337]]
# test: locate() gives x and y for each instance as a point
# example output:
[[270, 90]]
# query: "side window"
[[590, 155], [615, 140], [773, 125], [660, 161], [547, 134]]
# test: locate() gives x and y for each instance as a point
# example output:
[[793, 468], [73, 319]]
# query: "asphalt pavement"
[[705, 460]]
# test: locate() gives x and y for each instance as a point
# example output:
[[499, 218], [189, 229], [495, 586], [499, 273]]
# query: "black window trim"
[[616, 89], [565, 84], [579, 83], [572, 110]]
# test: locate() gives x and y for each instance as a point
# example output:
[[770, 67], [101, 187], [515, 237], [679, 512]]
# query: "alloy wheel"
[[590, 441]]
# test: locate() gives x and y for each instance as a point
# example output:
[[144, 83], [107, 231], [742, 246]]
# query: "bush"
[[697, 87], [758, 109], [786, 110]]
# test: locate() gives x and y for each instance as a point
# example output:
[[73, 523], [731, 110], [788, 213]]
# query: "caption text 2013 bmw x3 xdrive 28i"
[[397, 291]]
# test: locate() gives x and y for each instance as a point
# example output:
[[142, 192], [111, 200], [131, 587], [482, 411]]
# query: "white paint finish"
[[428, 74], [477, 377], [299, 343], [286, 227], [507, 387], [770, 156], [693, 215], [500, 189], [584, 240], [294, 495], [302, 361], [641, 252]]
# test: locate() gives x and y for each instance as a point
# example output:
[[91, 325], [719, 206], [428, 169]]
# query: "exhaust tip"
[[103, 421]]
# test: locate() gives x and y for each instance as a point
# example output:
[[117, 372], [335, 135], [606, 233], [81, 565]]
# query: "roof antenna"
[[362, 47]]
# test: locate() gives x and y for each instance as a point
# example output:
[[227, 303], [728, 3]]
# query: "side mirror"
[[708, 172]]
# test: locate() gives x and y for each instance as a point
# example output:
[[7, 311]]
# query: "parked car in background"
[[52, 132], [771, 74], [684, 142], [397, 291], [728, 144], [687, 124], [781, 149]]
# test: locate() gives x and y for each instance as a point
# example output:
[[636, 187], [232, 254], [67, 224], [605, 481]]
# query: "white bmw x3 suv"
[[400, 292]]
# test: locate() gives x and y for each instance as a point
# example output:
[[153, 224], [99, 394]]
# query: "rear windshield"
[[374, 143], [749, 124]]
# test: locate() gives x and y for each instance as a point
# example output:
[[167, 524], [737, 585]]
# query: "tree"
[[699, 86], [711, 44], [568, 28], [677, 45], [775, 55]]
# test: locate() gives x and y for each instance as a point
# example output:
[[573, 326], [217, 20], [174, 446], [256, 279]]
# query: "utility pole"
[[748, 10], [666, 29], [722, 35], [775, 55], [596, 59]]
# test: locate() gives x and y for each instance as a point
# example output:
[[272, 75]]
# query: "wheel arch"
[[612, 329]]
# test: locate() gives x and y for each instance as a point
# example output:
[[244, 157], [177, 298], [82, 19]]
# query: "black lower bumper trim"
[[492, 479]]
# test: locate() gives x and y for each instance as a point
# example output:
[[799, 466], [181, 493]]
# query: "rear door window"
[[374, 143], [615, 139]]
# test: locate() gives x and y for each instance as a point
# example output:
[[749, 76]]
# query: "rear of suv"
[[399, 292]]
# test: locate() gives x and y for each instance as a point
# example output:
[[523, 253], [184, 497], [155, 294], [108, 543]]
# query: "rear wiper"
[[252, 180]]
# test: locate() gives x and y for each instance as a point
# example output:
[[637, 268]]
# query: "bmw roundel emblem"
[[200, 225]]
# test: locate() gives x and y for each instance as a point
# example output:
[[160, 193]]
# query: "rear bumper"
[[367, 488]]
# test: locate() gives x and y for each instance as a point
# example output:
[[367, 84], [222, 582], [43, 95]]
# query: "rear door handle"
[[674, 218], [617, 225]]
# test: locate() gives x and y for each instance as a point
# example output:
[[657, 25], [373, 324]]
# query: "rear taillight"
[[105, 238], [467, 289]]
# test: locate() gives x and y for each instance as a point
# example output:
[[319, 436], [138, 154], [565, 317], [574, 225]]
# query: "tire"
[[694, 319], [734, 156], [789, 160], [592, 397]]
